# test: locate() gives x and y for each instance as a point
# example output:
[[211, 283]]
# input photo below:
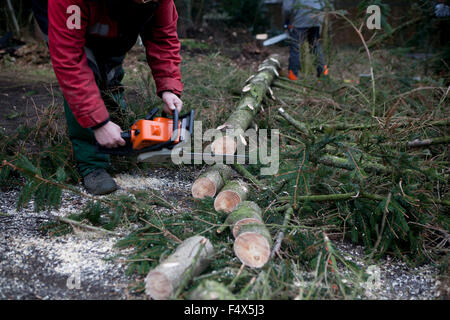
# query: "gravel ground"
[[77, 265], [35, 266], [392, 279], [83, 265]]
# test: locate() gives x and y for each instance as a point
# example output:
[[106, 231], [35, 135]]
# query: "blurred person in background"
[[303, 20]]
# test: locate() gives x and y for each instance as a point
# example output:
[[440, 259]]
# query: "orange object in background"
[[325, 72], [145, 133], [292, 76]]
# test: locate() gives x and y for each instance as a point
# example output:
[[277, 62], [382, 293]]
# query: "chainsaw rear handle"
[[127, 149]]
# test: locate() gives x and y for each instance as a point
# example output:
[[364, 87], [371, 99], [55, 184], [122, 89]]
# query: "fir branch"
[[298, 125], [85, 226], [280, 236], [247, 175]]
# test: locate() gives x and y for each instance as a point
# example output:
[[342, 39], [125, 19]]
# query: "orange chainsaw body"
[[145, 133]]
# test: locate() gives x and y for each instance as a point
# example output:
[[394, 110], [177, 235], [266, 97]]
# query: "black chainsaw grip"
[[126, 135], [175, 118], [127, 149], [175, 125]]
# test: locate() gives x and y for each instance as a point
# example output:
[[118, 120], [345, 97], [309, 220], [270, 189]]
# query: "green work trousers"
[[83, 140]]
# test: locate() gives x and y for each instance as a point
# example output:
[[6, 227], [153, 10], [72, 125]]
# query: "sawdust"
[[38, 266], [133, 182]]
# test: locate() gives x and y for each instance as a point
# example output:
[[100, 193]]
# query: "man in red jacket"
[[88, 41]]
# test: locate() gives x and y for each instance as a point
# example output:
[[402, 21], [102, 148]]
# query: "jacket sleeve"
[[163, 48], [69, 61]]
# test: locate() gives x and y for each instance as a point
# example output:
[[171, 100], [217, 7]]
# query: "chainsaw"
[[156, 139]]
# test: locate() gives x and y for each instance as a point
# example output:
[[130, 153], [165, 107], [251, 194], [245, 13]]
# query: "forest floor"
[[38, 265]]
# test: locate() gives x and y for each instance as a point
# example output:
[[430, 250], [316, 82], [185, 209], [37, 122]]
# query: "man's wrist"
[[162, 93], [101, 124]]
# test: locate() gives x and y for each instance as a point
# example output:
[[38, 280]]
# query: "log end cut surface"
[[252, 249], [226, 201], [224, 145], [158, 286], [202, 188]]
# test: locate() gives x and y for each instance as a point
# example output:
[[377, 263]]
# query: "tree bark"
[[13, 17], [211, 290], [231, 195], [246, 212], [189, 260], [249, 105], [211, 181], [342, 163], [184, 17], [428, 142], [297, 124]]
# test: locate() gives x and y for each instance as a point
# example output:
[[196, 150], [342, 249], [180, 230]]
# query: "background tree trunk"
[[184, 9]]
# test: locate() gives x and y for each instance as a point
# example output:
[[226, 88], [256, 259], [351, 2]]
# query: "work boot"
[[292, 76], [99, 182], [322, 71]]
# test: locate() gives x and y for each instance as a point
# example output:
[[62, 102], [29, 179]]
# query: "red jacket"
[[69, 60]]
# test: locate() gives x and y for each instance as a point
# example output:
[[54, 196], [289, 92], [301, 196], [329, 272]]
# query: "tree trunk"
[[184, 9], [245, 213], [211, 290], [189, 260], [211, 181], [13, 17], [231, 195], [248, 107], [252, 245]]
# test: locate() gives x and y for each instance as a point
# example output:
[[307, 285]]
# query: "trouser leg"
[[297, 37], [314, 41], [84, 145], [294, 51]]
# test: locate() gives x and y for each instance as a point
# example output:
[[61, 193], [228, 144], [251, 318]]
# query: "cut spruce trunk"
[[252, 239], [232, 194], [249, 105], [189, 259], [245, 213], [211, 290], [211, 181], [252, 245]]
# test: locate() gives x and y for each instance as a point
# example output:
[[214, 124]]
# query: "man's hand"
[[171, 101], [109, 135]]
